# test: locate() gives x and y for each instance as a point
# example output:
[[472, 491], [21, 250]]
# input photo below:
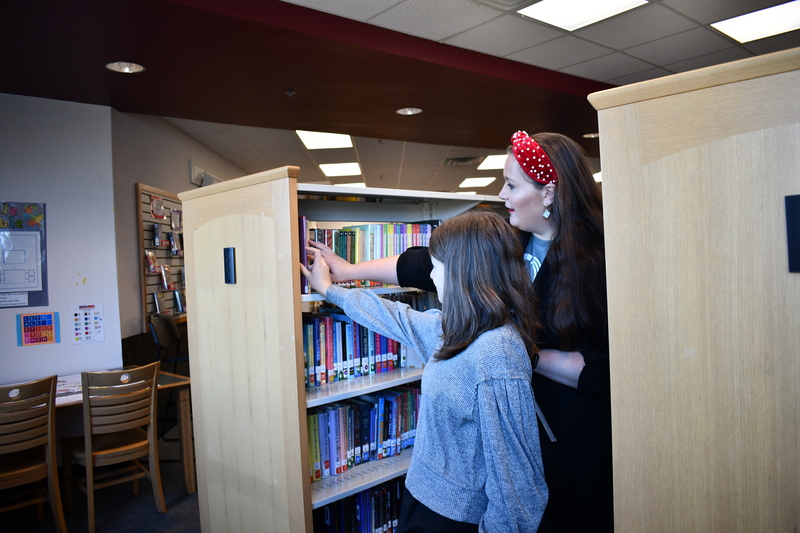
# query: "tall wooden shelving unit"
[[704, 314], [245, 344]]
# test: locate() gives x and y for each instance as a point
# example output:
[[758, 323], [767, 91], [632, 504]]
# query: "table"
[[68, 392]]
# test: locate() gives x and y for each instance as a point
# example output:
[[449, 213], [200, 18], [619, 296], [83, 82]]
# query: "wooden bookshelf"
[[246, 353]]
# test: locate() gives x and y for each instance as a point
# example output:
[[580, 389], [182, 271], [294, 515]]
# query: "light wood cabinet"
[[704, 315], [245, 344]]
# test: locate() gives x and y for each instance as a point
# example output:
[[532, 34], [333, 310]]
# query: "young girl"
[[477, 464]]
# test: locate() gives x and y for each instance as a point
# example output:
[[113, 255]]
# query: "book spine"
[[329, 352], [343, 444], [314, 451], [338, 360], [324, 449], [351, 433], [319, 353], [333, 457], [384, 353], [305, 288]]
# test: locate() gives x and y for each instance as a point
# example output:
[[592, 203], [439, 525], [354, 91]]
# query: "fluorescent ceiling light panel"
[[317, 140], [760, 24], [358, 185], [333, 170], [573, 14], [476, 182], [493, 162], [598, 177]]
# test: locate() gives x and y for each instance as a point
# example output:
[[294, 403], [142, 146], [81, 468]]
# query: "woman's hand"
[[318, 274], [340, 269]]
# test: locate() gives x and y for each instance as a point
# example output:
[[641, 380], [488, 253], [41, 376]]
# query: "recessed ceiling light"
[[573, 14], [763, 23], [333, 170], [409, 111], [598, 177], [476, 182], [591, 135], [357, 185], [493, 162], [317, 140], [126, 67]]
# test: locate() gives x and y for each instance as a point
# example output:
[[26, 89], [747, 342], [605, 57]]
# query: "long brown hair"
[[486, 283], [578, 304]]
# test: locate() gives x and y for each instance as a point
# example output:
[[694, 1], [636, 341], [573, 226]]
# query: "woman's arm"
[[561, 367], [381, 270]]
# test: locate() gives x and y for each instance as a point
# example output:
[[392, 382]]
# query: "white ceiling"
[[660, 38]]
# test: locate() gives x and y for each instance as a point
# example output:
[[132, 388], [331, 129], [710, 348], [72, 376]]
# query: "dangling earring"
[[546, 213]]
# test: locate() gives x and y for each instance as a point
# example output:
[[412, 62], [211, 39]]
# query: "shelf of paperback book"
[[350, 388], [314, 297], [360, 478]]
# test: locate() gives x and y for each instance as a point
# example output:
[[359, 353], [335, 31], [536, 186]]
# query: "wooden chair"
[[28, 446], [116, 406]]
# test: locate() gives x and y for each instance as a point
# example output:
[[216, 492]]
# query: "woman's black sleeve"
[[414, 269]]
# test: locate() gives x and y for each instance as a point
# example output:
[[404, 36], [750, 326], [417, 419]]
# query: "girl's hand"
[[318, 275], [340, 269]]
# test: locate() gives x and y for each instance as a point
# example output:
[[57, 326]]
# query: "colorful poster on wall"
[[38, 328], [87, 323], [23, 255]]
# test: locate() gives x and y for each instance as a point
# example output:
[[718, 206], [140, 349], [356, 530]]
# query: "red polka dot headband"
[[533, 159]]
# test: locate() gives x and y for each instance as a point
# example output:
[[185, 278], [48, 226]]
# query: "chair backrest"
[[165, 332], [120, 400], [27, 415]]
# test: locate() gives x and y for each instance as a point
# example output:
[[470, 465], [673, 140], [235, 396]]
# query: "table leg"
[[186, 441]]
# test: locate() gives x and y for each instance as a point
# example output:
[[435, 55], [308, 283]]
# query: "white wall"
[[149, 150], [59, 154]]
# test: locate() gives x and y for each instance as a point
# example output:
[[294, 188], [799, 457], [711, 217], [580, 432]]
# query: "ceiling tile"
[[608, 67], [708, 11], [784, 41], [560, 53], [723, 56], [504, 35], [638, 26], [641, 76], [353, 9], [435, 21], [680, 46]]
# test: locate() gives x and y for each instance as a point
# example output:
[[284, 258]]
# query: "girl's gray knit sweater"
[[476, 453]]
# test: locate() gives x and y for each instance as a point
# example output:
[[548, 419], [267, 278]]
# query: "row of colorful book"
[[364, 242], [375, 510], [367, 428], [336, 348]]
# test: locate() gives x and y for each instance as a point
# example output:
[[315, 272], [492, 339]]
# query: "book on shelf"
[[373, 510], [305, 288], [337, 348], [313, 445], [362, 429], [364, 242]]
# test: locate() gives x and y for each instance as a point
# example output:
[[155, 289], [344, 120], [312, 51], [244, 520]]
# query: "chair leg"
[[66, 462], [155, 476], [90, 493], [54, 492]]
